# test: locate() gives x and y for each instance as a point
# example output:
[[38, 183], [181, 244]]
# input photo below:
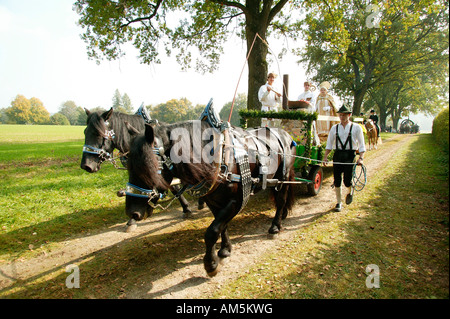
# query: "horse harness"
[[224, 167], [102, 154], [110, 135]]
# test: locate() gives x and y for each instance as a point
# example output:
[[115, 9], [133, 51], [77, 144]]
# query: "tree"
[[20, 110], [122, 103], [126, 103], [71, 111], [172, 111], [117, 101], [402, 97], [59, 119], [355, 52], [239, 104], [193, 113], [39, 114], [205, 25]]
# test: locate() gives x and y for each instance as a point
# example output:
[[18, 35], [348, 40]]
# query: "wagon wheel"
[[406, 122], [406, 126], [315, 175]]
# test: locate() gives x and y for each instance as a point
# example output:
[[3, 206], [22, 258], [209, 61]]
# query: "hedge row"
[[440, 130]]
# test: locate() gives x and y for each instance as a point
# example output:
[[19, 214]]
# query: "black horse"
[[106, 131], [228, 173]]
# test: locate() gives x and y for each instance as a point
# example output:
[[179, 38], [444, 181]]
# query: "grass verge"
[[398, 223]]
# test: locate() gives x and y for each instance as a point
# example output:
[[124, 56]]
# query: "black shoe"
[[349, 199], [338, 208]]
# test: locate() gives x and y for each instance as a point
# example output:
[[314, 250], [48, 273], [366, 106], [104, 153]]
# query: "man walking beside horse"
[[345, 138]]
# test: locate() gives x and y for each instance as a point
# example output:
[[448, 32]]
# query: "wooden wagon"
[[299, 124]]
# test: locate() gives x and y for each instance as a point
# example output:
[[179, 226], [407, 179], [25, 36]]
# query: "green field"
[[22, 143], [45, 196]]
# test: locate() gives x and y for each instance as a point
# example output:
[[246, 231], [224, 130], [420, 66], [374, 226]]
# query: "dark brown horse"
[[106, 131], [224, 166]]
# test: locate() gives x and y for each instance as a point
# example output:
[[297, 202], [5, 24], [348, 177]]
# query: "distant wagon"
[[408, 127]]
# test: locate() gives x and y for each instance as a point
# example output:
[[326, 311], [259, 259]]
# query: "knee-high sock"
[[338, 194], [349, 190]]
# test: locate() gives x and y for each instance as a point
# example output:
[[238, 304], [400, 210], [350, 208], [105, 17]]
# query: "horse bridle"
[[102, 154], [163, 162]]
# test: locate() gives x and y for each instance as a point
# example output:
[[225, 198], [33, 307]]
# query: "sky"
[[42, 56]]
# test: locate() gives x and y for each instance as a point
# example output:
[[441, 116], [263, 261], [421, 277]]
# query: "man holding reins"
[[345, 138]]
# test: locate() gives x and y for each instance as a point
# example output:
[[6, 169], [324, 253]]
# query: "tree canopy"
[[181, 26], [361, 46], [176, 110], [25, 111]]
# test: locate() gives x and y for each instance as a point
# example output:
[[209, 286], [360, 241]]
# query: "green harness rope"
[[359, 179]]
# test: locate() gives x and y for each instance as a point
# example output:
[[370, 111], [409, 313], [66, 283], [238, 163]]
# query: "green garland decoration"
[[287, 115]]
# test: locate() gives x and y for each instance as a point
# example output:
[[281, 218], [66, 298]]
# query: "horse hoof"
[[212, 268], [187, 214], [200, 206], [224, 253], [131, 228], [274, 230], [213, 273], [272, 236]]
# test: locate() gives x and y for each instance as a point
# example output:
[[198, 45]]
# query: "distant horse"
[[371, 134], [227, 181], [107, 131]]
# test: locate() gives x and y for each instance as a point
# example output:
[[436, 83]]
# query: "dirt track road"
[[189, 280]]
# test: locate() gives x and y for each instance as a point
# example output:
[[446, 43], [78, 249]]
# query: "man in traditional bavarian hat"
[[345, 138]]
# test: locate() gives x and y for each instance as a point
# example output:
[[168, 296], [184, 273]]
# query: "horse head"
[[98, 140], [148, 175], [369, 124]]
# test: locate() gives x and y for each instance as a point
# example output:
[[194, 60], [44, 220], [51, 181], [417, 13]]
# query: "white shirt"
[[308, 95], [357, 137], [268, 99]]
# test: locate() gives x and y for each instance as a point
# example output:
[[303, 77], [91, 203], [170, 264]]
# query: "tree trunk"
[[256, 23], [357, 101], [382, 120]]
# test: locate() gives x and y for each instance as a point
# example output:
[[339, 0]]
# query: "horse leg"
[[217, 227], [281, 213], [201, 203], [187, 213], [225, 245]]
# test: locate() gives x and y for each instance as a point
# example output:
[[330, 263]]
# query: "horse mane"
[[95, 120], [123, 139], [143, 163], [117, 120], [190, 172]]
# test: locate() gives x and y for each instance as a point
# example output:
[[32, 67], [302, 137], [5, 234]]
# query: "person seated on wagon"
[[269, 98], [308, 96], [325, 105]]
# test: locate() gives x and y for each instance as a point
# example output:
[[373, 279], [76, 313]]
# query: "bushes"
[[440, 130]]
